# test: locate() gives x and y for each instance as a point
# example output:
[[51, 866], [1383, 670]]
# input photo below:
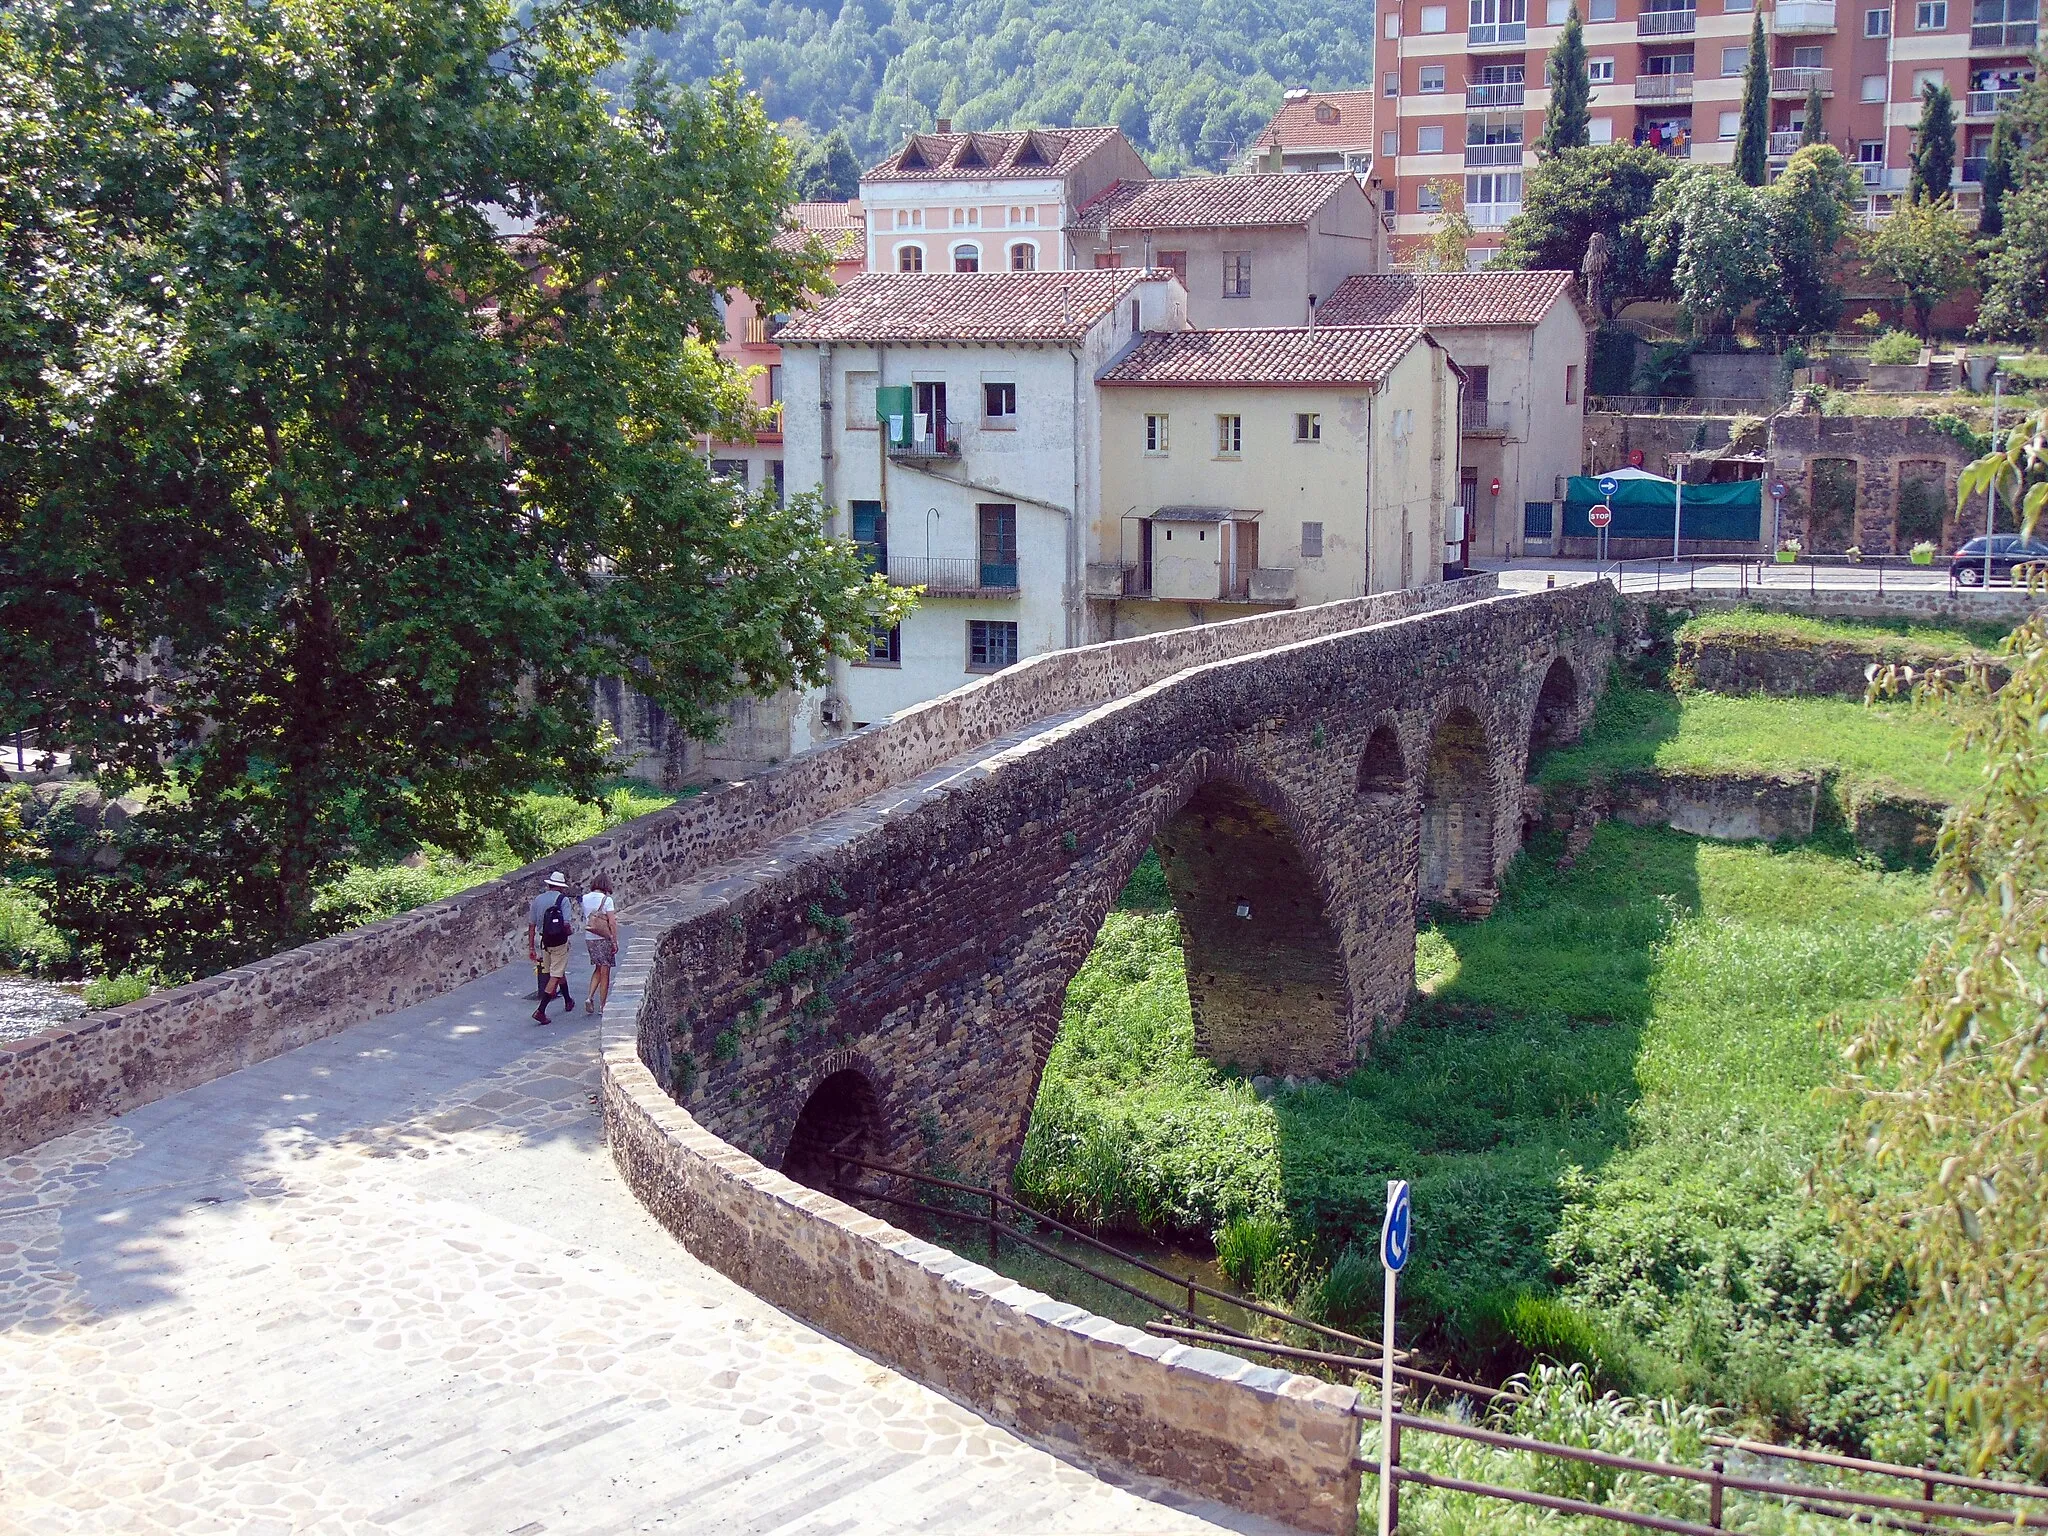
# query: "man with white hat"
[[550, 922]]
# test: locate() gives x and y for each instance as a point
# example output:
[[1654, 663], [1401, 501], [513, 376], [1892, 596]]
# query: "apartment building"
[[989, 202], [951, 421], [1249, 469], [1519, 339], [1256, 250], [1462, 90], [1315, 131]]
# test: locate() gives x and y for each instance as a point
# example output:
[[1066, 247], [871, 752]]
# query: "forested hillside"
[[1189, 81]]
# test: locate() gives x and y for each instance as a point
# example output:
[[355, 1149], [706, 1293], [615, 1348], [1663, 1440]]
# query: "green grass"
[[1884, 635], [1898, 748]]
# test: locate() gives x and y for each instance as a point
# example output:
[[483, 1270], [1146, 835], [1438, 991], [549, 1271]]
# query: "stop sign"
[[1601, 515]]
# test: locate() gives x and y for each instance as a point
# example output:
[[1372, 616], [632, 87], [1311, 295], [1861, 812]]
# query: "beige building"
[[1251, 469], [1316, 131], [1520, 340], [1250, 250]]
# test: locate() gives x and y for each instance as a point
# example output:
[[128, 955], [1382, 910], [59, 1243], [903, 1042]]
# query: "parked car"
[[2008, 550]]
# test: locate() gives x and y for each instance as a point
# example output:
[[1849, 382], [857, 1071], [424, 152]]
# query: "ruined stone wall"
[[112, 1061], [1880, 448]]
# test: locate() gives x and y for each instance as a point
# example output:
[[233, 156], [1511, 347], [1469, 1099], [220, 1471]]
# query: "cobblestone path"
[[390, 1282]]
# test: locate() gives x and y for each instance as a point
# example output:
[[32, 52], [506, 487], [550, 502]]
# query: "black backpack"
[[554, 926]]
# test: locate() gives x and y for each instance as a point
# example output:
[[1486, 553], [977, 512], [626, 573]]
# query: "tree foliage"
[[1569, 196], [1567, 120], [2000, 169], [1753, 136], [1924, 249], [1808, 210], [323, 495], [1934, 146], [1942, 1170], [827, 171], [1815, 129], [1712, 234], [1452, 236], [2015, 262]]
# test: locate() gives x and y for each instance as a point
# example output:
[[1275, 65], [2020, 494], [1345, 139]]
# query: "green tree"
[[1567, 120], [2015, 260], [1815, 129], [2000, 170], [1753, 137], [1807, 209], [1934, 146], [1924, 249], [1452, 236], [1939, 1171], [1570, 196], [1712, 234], [827, 171], [358, 432]]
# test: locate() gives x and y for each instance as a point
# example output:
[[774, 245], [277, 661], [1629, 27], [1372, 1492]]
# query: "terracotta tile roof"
[[840, 228], [1208, 202], [967, 306], [1024, 154], [829, 215], [1445, 298], [1322, 120], [1277, 356]]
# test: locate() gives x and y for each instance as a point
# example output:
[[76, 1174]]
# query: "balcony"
[[1785, 143], [1663, 87], [1800, 82], [1971, 172], [2004, 37], [1493, 154], [930, 437], [1804, 18], [1491, 215], [1495, 95], [1988, 103], [944, 576], [1483, 418], [1497, 34], [1666, 23], [1119, 579], [1873, 175]]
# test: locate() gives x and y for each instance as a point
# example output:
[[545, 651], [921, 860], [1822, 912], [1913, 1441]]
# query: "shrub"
[[1248, 1247], [113, 991], [1347, 1293], [28, 940], [1895, 347], [1667, 370]]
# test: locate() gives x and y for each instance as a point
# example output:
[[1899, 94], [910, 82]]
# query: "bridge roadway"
[[390, 1281]]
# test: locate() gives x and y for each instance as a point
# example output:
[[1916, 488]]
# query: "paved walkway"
[[390, 1282]]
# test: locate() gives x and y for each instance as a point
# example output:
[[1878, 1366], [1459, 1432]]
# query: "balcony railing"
[[2002, 37], [1873, 175], [1972, 170], [1986, 103], [1785, 143], [1495, 94], [1804, 18], [1483, 416], [1491, 215], [958, 577], [1493, 154], [1666, 23], [1493, 34], [1663, 87], [931, 437], [1799, 81]]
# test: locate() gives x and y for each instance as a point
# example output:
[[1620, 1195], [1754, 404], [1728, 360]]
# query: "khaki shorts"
[[556, 960]]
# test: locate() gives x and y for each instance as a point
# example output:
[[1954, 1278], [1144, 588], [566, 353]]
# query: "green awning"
[[1732, 510]]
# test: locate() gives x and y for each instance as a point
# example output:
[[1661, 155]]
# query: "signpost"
[[1608, 486], [1393, 1255], [1603, 514], [1677, 510], [1777, 514]]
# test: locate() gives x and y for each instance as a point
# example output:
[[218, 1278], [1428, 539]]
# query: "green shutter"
[[892, 410]]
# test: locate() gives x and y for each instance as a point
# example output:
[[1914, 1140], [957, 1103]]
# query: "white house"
[[951, 422], [1520, 339]]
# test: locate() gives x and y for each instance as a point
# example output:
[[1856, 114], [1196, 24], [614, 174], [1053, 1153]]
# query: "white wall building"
[[951, 421]]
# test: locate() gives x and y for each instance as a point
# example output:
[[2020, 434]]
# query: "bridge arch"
[[841, 1117], [1383, 768], [1456, 865], [1554, 716]]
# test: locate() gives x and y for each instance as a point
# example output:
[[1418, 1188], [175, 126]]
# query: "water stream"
[[28, 1006]]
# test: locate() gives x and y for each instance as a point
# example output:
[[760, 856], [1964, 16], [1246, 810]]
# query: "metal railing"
[[1798, 18], [943, 573], [2004, 35], [1800, 79], [1491, 215], [1483, 416], [1663, 87], [1495, 93], [1493, 154], [1666, 23], [1677, 405], [1987, 103], [1493, 34], [1971, 170], [931, 436], [1746, 573], [1786, 142]]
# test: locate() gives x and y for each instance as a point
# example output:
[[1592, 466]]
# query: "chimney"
[[1275, 162], [945, 125]]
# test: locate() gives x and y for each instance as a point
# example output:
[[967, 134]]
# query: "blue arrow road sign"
[[1608, 486], [1394, 1232]]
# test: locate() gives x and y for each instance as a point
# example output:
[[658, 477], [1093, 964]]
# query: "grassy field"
[[1959, 639]]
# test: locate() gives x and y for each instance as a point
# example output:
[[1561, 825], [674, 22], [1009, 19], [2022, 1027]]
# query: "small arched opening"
[[1557, 709], [838, 1121], [1382, 772], [1457, 817]]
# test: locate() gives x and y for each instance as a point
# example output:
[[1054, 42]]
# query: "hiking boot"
[[540, 1014]]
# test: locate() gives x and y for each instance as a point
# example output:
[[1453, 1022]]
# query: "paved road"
[[1535, 573], [390, 1282]]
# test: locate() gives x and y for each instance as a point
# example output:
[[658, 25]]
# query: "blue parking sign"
[[1394, 1231]]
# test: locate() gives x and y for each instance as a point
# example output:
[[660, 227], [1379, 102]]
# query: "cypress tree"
[[1815, 132], [1934, 146], [1998, 178], [1753, 139], [1567, 120]]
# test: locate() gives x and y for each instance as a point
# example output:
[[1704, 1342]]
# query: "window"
[[860, 401], [1229, 436], [1109, 258], [1311, 541], [1600, 131], [1175, 262], [775, 383], [775, 468], [1155, 434], [1428, 199], [1873, 87], [991, 645], [1600, 71], [1390, 144], [1436, 18], [1923, 79], [999, 404], [1738, 5], [734, 470], [1600, 10], [997, 523], [910, 258], [1308, 427], [1870, 152], [1390, 83], [1237, 274], [1486, 193], [1023, 257], [885, 647], [966, 258], [1393, 24], [1877, 23], [1555, 12], [910, 218], [1429, 140], [1731, 124], [1431, 80], [1931, 16], [1733, 60], [871, 533], [1571, 383], [1808, 58]]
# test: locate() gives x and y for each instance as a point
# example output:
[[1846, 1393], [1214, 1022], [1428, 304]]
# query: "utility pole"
[[1991, 495], [1678, 509]]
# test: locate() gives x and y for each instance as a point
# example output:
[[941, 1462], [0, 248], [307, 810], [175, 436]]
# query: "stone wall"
[[1997, 606], [1787, 668], [112, 1061], [1880, 448]]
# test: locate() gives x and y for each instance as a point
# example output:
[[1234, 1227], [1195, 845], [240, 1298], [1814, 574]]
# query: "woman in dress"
[[601, 938]]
